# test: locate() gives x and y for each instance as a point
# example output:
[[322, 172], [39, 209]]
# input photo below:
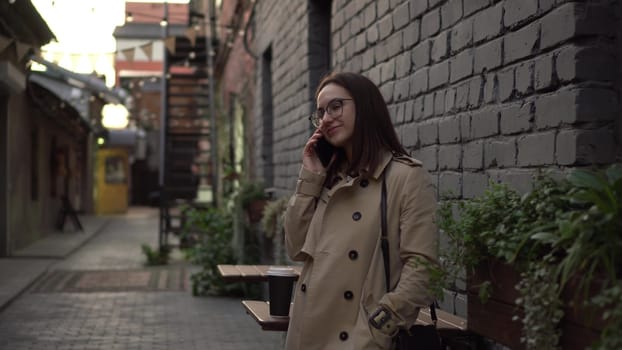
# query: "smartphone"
[[324, 151]]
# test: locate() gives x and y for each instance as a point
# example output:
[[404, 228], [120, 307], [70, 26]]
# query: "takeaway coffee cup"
[[280, 285]]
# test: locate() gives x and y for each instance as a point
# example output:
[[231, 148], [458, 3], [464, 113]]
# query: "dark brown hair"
[[373, 130]]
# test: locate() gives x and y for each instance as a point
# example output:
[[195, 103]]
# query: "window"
[[267, 118], [53, 167], [319, 41], [34, 164], [115, 170]]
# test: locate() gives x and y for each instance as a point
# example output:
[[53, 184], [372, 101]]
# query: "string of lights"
[[174, 18], [132, 16]]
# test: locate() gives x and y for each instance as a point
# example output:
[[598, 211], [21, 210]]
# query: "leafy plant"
[[272, 224], [272, 219], [214, 229], [156, 256], [250, 191], [591, 237], [251, 197], [562, 232], [543, 308]]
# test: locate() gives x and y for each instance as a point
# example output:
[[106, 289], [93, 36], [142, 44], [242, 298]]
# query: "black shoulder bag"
[[418, 336]]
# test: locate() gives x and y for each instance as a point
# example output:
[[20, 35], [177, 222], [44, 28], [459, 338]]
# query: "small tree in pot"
[[252, 197]]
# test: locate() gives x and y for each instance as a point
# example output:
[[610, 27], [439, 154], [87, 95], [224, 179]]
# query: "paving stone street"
[[102, 297]]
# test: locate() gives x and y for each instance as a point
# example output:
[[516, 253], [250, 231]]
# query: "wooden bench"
[[448, 325], [445, 320], [260, 312], [248, 273]]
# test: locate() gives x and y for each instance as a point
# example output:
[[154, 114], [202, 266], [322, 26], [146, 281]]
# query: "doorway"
[[4, 227]]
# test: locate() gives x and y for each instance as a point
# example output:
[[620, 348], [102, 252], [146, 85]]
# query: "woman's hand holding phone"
[[325, 151], [310, 158]]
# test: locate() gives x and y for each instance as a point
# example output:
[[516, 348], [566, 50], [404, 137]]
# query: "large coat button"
[[348, 295], [343, 336], [303, 287], [353, 254], [356, 216], [364, 183]]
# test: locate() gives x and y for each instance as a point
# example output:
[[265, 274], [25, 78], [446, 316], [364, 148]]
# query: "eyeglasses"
[[334, 108]]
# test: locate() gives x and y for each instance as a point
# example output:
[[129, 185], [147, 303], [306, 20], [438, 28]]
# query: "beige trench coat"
[[336, 233]]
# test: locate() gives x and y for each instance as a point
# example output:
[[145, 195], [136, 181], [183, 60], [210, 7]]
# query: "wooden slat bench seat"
[[445, 320], [260, 312], [248, 273], [448, 325], [452, 329]]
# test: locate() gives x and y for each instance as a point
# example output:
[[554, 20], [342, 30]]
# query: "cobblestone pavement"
[[101, 297]]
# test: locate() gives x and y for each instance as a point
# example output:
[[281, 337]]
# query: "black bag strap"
[[384, 241], [384, 244]]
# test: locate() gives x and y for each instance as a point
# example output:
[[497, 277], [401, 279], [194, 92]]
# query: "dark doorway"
[[267, 115], [319, 41], [4, 227]]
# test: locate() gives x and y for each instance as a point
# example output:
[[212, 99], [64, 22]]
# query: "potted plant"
[[252, 197], [214, 230], [551, 258], [272, 225]]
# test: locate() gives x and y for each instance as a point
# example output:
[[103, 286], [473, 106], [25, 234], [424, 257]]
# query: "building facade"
[[48, 120], [22, 32], [478, 90], [234, 72]]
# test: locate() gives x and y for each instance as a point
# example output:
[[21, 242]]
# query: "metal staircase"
[[186, 136]]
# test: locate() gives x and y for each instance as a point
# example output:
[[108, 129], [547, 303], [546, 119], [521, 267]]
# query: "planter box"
[[494, 318], [581, 326], [255, 210]]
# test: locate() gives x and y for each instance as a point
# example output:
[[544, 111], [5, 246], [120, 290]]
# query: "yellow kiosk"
[[111, 181]]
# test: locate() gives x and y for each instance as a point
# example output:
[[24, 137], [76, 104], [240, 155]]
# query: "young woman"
[[333, 224]]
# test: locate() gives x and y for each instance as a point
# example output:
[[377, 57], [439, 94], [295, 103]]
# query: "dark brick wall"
[[618, 44], [283, 27], [478, 90]]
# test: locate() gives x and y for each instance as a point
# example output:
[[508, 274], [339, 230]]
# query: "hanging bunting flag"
[[56, 57], [170, 44], [200, 30], [148, 50], [21, 50], [4, 42], [94, 60], [65, 60], [36, 53], [191, 34], [129, 54], [75, 62]]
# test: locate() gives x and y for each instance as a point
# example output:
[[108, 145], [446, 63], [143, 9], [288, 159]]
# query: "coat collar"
[[384, 161]]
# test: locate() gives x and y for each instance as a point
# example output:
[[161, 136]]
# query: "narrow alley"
[[474, 174], [102, 297]]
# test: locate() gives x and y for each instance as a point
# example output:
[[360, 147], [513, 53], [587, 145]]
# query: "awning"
[[124, 137], [133, 139], [88, 82], [77, 98], [11, 79]]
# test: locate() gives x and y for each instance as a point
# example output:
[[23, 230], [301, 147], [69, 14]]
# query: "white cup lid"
[[281, 271]]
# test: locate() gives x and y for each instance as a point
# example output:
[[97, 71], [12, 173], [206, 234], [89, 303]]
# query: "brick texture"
[[479, 89]]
